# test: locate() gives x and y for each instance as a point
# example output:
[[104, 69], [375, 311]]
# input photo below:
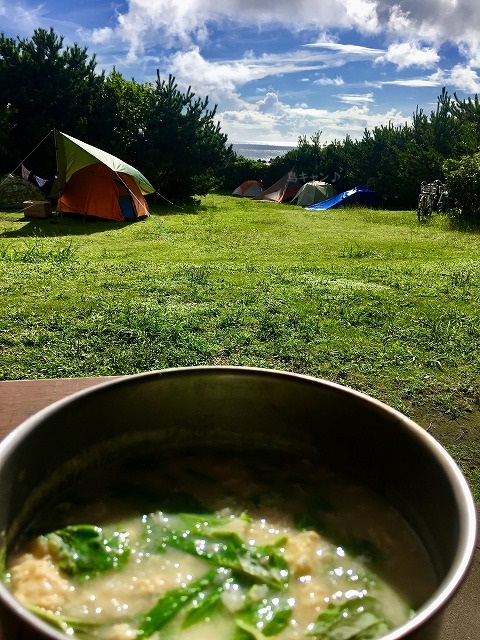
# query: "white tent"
[[313, 192]]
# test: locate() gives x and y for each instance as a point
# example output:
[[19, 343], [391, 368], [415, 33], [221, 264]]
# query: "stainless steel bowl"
[[243, 409]]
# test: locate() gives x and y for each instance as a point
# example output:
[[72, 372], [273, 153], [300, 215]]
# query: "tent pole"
[[56, 149]]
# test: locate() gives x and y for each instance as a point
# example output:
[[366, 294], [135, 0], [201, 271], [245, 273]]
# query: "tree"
[[129, 105], [48, 85], [467, 114], [186, 153]]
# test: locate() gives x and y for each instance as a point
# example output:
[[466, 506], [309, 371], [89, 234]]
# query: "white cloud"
[[218, 78], [352, 51], [410, 54], [222, 79], [337, 81], [431, 81], [460, 78], [355, 98], [269, 104], [171, 23], [363, 14], [288, 123], [398, 22]]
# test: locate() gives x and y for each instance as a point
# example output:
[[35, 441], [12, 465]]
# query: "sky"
[[279, 69]]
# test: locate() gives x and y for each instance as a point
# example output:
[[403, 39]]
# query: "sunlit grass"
[[366, 298]]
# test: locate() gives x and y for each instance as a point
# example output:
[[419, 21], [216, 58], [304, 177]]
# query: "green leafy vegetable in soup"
[[84, 551], [243, 572]]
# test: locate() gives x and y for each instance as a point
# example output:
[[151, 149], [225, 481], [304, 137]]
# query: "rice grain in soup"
[[211, 547]]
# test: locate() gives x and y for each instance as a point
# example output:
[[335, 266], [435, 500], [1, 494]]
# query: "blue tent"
[[363, 196]]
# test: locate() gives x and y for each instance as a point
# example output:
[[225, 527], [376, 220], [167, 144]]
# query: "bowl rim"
[[468, 525]]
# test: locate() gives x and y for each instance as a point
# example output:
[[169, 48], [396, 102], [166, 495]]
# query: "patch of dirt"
[[461, 438], [453, 432]]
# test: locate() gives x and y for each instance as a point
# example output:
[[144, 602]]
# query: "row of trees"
[[172, 136], [175, 139], [394, 160]]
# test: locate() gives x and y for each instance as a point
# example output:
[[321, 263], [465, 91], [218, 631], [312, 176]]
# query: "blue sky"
[[279, 69]]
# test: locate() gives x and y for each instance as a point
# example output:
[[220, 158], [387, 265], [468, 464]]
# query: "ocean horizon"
[[264, 152]]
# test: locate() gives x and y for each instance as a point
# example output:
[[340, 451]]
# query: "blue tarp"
[[368, 198]]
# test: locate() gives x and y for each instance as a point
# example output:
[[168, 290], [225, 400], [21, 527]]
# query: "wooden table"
[[21, 398]]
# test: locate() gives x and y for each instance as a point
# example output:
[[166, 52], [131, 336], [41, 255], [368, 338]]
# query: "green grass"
[[370, 299]]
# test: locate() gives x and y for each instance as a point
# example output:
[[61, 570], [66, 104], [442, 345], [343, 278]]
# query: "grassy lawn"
[[370, 299]]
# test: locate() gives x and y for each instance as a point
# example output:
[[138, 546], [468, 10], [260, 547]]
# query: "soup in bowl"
[[228, 502]]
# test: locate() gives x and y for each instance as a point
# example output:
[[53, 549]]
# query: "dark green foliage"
[[185, 151], [467, 113], [128, 104], [463, 183], [240, 169], [47, 85]]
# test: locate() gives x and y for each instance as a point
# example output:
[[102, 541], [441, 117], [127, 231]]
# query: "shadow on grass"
[[59, 226], [66, 225], [465, 226]]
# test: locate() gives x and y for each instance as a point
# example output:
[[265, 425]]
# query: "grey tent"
[[313, 192], [14, 191]]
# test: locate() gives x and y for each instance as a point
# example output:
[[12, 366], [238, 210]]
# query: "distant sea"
[[263, 152]]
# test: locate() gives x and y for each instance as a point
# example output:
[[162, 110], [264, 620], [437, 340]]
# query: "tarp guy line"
[[148, 213]]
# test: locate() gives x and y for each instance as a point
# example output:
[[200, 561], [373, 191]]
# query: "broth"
[[212, 547]]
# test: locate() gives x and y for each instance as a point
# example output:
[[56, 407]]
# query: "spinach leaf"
[[173, 601], [84, 551], [354, 619], [200, 522], [265, 618], [204, 605], [226, 549], [68, 625]]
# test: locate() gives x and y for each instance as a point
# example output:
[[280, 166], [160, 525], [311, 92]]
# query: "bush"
[[462, 178]]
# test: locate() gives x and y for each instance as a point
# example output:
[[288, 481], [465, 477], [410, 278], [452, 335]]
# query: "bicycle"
[[425, 202]]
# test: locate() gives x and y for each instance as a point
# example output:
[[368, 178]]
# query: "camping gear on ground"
[[248, 189], [37, 208], [357, 195], [313, 192], [283, 189], [92, 182]]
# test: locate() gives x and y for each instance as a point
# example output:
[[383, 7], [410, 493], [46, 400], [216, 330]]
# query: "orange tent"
[[92, 182], [98, 191]]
